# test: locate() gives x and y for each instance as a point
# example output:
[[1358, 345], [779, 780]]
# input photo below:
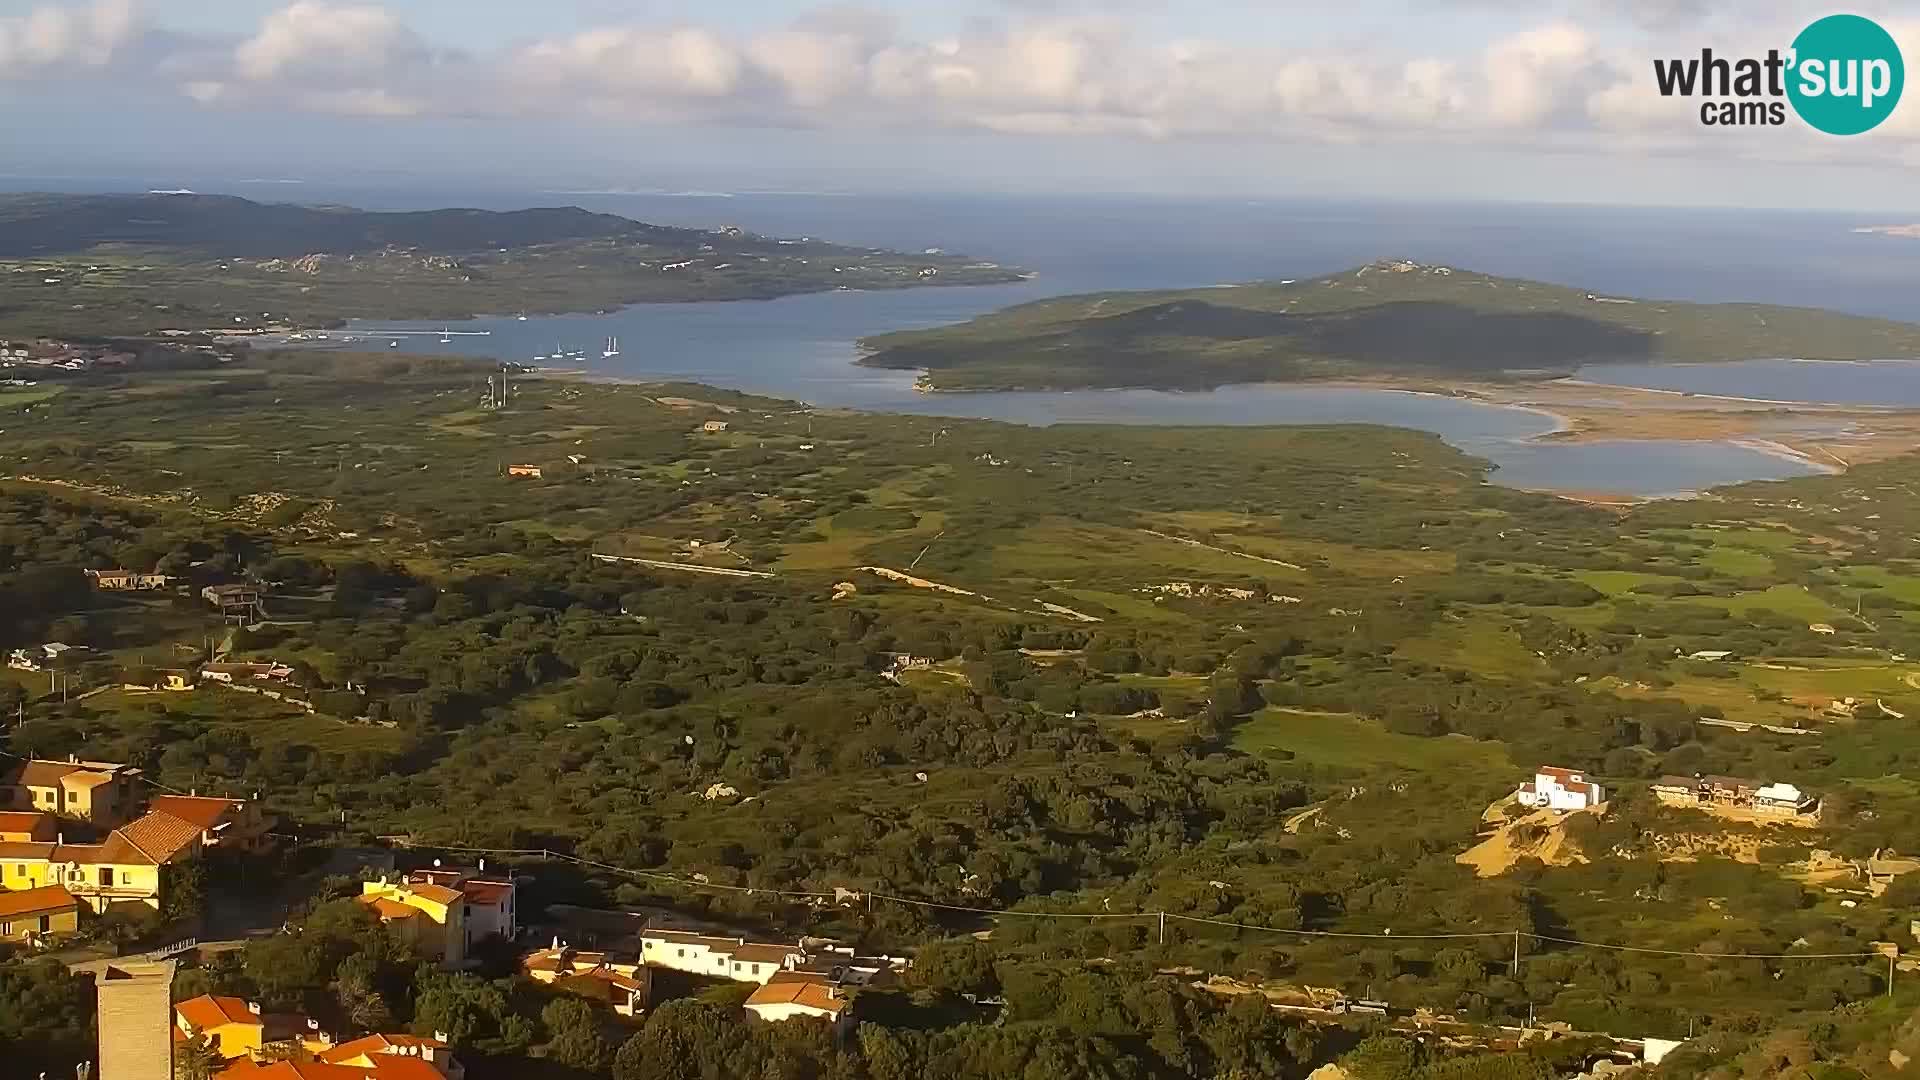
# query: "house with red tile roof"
[[377, 1051], [31, 914], [791, 994], [234, 824], [432, 917], [1556, 788]]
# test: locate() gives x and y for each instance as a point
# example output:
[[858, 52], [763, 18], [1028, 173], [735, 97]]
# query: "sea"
[[803, 347]]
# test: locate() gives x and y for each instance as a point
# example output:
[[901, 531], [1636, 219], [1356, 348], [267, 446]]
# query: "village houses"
[[1776, 800], [42, 657], [122, 580], [127, 864], [29, 915], [1560, 789], [445, 911]]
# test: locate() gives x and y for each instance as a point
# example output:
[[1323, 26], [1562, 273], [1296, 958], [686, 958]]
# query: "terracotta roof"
[[378, 1044], [489, 893], [159, 835], [35, 901], [26, 821], [400, 1067], [389, 909], [24, 849], [790, 988], [439, 894], [1557, 771], [197, 810], [304, 1070], [43, 774], [207, 1012]]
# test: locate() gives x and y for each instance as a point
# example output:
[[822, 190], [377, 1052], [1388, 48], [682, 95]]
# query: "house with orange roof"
[[27, 827], [491, 898], [624, 987], [432, 917], [97, 792], [375, 1051], [791, 994], [127, 866], [236, 1028], [389, 1068], [31, 914], [227, 824]]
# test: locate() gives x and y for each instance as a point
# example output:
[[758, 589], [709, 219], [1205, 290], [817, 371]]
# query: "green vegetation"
[[1128, 662], [129, 264], [1386, 318]]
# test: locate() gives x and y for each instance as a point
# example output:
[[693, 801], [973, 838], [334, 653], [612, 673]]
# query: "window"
[[756, 969], [46, 923], [6, 929], [681, 953], [106, 875]]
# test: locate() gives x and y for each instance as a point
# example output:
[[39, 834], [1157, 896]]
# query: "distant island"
[[1394, 318], [1905, 232], [134, 264]]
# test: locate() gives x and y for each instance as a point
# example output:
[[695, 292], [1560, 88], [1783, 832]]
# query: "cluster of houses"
[[1778, 800], [84, 833], [809, 978], [443, 911], [47, 353], [1568, 790], [42, 657]]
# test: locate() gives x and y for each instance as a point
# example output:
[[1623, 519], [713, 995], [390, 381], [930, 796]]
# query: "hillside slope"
[[1386, 317]]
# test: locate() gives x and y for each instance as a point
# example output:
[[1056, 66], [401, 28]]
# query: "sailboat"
[[612, 349]]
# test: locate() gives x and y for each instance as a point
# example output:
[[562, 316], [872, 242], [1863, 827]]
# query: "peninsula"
[[1393, 319], [136, 264]]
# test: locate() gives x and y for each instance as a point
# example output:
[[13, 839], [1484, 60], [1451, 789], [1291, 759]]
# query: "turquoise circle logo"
[[1847, 74]]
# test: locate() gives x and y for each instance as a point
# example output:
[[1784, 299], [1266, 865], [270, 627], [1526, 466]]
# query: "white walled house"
[[724, 958], [1555, 788]]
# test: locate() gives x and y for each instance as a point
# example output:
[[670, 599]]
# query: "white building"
[[1784, 799], [720, 957], [1560, 789]]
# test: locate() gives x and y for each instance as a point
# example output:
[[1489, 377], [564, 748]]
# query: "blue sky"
[[1530, 100]]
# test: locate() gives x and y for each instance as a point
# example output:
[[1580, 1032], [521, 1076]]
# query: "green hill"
[[133, 264], [1383, 318]]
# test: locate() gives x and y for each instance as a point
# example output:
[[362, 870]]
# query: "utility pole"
[[1516, 954], [1163, 928]]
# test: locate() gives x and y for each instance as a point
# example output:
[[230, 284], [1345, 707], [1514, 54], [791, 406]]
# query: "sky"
[[1418, 100]]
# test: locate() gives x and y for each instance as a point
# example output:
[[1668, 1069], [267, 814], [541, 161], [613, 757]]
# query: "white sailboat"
[[612, 349]]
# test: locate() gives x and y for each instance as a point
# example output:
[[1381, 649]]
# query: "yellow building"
[[125, 867], [98, 792], [31, 913], [231, 1026], [432, 917]]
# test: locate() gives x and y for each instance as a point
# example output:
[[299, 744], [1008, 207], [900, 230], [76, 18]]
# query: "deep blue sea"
[[803, 347]]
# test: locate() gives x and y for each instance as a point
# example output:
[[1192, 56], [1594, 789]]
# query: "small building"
[[431, 917], [1711, 655], [1785, 800], [123, 580], [714, 427], [42, 657], [31, 914], [174, 680], [1560, 789], [97, 792], [626, 993], [232, 1026], [532, 471], [28, 827], [791, 994], [490, 899], [232, 601], [230, 672]]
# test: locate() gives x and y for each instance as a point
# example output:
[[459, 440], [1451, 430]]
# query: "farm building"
[[1560, 789]]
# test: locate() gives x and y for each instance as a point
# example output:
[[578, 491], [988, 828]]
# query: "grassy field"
[[1485, 646], [1341, 741]]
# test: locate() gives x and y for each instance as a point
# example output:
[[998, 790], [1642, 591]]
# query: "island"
[[137, 264], [1393, 318]]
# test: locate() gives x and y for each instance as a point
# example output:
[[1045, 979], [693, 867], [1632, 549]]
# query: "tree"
[[683, 1040], [962, 966], [573, 1035], [195, 1058], [356, 985]]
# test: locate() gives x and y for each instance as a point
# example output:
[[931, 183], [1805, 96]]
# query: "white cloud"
[[1560, 75], [319, 39], [51, 35]]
